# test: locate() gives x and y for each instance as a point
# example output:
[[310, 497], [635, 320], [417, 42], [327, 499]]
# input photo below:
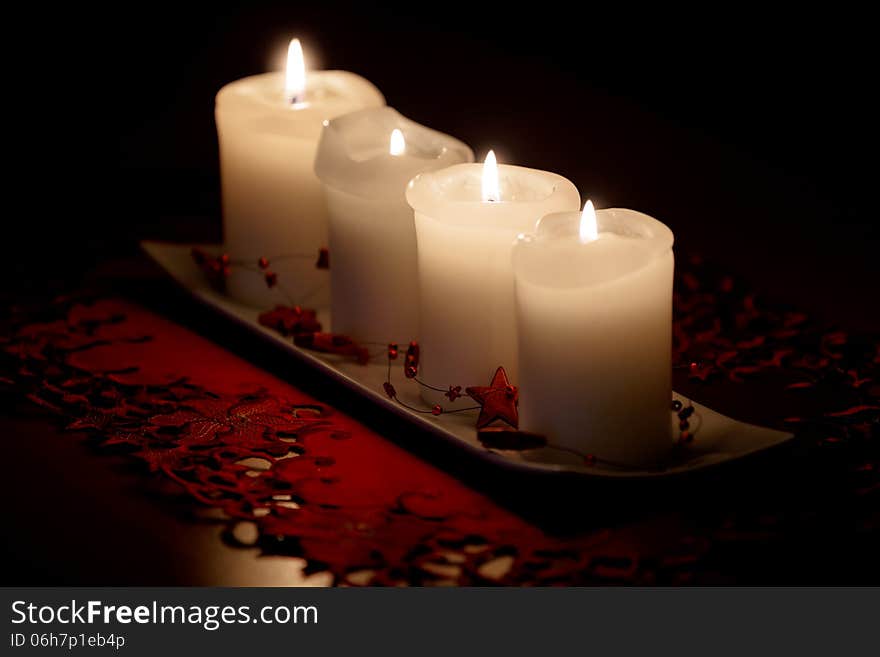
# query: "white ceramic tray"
[[717, 438]]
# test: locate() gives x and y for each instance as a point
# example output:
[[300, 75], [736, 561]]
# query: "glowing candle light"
[[594, 316], [490, 193], [588, 229], [397, 145], [295, 73], [268, 127], [467, 218], [365, 160]]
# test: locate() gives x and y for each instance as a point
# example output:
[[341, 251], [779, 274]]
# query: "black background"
[[750, 132]]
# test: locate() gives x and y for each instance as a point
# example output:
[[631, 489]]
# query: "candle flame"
[[491, 191], [295, 75], [589, 230], [398, 143]]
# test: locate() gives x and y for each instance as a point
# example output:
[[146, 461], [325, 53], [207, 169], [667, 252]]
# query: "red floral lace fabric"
[[320, 485]]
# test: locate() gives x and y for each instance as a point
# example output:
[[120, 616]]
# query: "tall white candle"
[[268, 128], [594, 313], [365, 160], [465, 231]]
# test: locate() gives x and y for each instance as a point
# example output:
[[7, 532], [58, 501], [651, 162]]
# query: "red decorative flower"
[[162, 458], [216, 270], [251, 422], [453, 393], [289, 321]]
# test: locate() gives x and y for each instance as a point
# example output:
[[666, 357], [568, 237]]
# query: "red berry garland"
[[496, 402]]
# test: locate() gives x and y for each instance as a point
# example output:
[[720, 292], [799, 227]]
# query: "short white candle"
[[594, 313], [465, 231], [268, 127], [365, 160]]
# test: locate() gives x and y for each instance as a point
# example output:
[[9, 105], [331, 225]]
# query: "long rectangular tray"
[[718, 438]]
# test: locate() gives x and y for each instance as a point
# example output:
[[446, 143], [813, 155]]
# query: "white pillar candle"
[[594, 313], [268, 127], [465, 231], [365, 160]]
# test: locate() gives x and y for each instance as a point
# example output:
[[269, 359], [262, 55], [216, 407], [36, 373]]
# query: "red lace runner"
[[322, 486]]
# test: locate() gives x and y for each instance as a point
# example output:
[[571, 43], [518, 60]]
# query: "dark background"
[[749, 132]]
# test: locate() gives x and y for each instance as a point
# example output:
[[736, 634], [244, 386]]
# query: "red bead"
[[392, 351], [436, 410], [263, 262], [590, 459], [686, 437], [271, 278], [684, 424], [412, 354], [224, 259], [410, 372]]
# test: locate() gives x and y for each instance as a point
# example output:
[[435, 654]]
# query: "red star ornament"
[[498, 400]]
